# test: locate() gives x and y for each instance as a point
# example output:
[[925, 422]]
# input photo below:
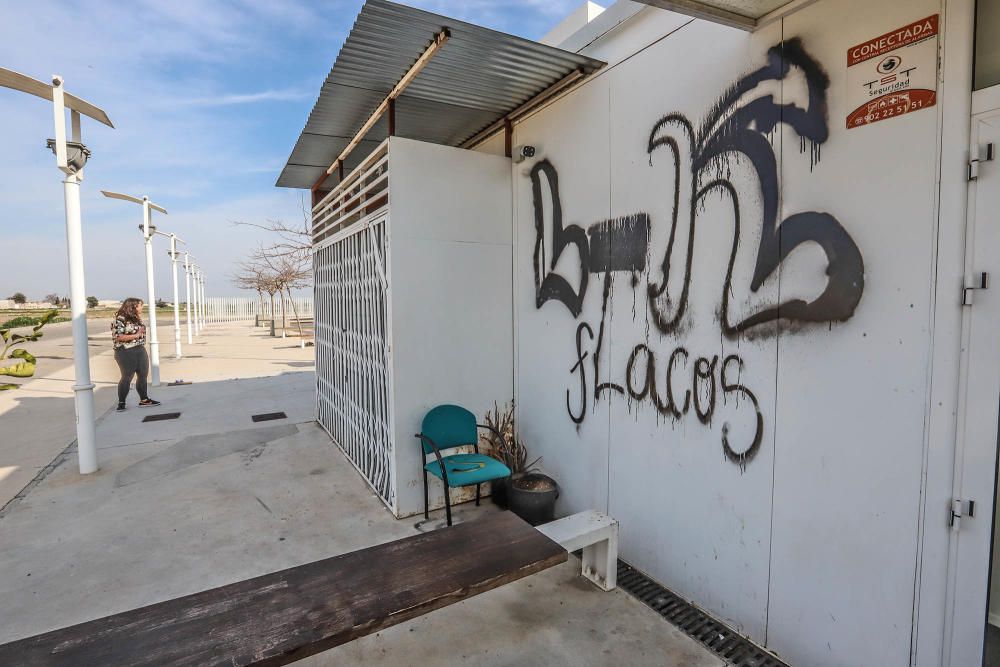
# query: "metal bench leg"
[[600, 562], [477, 494]]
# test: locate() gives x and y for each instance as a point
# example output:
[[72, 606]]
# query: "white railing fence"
[[248, 309]]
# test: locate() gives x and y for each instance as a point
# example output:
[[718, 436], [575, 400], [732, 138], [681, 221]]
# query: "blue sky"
[[208, 97]]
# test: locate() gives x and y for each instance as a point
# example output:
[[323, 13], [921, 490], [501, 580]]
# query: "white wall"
[[809, 543], [994, 612], [450, 247]]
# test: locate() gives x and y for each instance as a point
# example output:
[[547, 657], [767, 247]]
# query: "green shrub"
[[25, 368]]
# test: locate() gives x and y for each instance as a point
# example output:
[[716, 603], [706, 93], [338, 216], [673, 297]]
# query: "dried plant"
[[511, 452]]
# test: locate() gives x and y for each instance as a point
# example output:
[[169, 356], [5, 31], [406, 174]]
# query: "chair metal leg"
[[426, 503], [477, 494], [447, 503]]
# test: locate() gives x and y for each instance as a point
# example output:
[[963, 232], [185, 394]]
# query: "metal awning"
[[476, 78], [743, 14]]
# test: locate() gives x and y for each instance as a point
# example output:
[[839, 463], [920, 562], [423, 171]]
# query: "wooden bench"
[[597, 535], [282, 617]]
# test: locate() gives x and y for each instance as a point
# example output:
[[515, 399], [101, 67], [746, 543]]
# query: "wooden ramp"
[[282, 617]]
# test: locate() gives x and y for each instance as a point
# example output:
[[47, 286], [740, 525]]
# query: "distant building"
[[30, 305]]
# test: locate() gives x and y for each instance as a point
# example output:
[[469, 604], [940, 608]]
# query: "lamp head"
[[76, 154]]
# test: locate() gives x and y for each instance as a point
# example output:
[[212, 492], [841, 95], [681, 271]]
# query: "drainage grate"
[[161, 417], [718, 638], [269, 416]]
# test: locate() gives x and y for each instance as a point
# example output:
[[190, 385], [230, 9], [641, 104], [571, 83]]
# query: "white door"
[[979, 399]]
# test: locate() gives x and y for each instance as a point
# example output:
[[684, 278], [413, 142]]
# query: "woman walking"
[[129, 336]]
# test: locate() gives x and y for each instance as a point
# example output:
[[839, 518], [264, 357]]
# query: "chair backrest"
[[449, 426]]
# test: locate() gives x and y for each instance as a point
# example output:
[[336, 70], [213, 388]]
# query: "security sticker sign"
[[893, 74]]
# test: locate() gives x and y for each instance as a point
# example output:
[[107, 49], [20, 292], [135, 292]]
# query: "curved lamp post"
[[174, 240], [148, 230], [201, 299], [196, 301], [188, 268], [71, 156], [199, 316]]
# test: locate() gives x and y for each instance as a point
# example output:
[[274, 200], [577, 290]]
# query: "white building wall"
[[860, 479], [808, 541], [452, 338]]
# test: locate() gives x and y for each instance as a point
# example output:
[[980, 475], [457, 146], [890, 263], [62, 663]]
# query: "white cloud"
[[222, 100]]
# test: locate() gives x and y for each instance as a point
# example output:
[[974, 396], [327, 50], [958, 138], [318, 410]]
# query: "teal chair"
[[446, 427]]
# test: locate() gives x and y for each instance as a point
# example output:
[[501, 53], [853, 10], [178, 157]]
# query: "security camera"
[[523, 153]]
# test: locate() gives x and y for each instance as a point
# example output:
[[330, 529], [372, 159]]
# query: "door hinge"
[[960, 508], [967, 292], [974, 162]]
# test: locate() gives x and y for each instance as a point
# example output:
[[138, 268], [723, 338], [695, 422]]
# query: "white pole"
[[177, 305], [200, 316], [83, 388], [154, 343], [194, 295], [187, 295], [197, 290], [204, 302]]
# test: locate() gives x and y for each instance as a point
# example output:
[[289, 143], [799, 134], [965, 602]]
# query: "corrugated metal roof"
[[477, 77]]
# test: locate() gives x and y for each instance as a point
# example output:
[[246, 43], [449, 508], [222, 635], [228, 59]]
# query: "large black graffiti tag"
[[730, 130], [736, 127]]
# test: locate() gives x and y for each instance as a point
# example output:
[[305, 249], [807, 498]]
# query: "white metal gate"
[[353, 368]]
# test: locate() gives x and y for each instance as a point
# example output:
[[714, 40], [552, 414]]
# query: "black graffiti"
[[620, 244], [703, 382], [737, 128], [601, 387], [740, 457], [553, 285], [704, 379], [731, 130]]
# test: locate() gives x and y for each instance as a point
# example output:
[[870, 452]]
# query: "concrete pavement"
[[212, 497], [37, 421]]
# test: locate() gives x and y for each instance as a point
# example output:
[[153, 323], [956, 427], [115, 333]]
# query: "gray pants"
[[132, 361]]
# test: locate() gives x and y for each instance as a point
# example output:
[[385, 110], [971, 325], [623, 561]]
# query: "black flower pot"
[[498, 492], [532, 497]]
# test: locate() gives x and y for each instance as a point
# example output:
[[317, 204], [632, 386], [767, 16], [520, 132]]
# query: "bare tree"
[[255, 275], [289, 271], [281, 266], [293, 239]]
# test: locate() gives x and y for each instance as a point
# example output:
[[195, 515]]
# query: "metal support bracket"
[[967, 292], [990, 154], [958, 510]]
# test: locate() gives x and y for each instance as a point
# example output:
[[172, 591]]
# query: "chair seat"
[[466, 469]]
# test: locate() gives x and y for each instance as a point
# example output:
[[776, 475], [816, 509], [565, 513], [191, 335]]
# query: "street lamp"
[[199, 316], [174, 240], [71, 157], [188, 266], [148, 229], [201, 294], [196, 305]]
